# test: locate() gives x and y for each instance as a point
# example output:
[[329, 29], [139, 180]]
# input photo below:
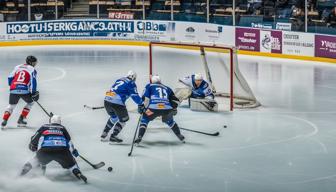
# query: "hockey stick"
[[204, 133], [95, 166], [94, 108], [136, 131], [49, 114]]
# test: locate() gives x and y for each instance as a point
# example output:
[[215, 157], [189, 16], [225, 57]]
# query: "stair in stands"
[[79, 9]]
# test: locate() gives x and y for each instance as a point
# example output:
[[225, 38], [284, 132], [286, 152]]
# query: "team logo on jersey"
[[160, 105], [110, 94], [52, 132]]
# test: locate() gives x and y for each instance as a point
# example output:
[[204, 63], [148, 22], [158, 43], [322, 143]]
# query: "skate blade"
[[115, 143], [22, 125], [104, 140]]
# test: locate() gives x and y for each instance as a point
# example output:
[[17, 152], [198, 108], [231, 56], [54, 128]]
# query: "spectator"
[[332, 18], [297, 19]]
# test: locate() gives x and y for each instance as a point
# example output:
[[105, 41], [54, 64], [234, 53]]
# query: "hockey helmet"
[[31, 60], [156, 79], [132, 75], [198, 77], [56, 119]]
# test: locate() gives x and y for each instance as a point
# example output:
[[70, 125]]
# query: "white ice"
[[288, 144]]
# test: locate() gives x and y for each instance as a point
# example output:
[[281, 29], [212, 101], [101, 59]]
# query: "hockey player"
[[23, 85], [160, 101], [52, 142], [199, 92], [114, 103], [199, 87]]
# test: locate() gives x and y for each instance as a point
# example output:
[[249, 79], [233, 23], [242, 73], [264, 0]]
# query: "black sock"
[[142, 130], [176, 129], [117, 129]]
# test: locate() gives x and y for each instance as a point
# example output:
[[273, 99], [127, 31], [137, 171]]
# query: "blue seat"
[[247, 20], [189, 17], [321, 29], [222, 20]]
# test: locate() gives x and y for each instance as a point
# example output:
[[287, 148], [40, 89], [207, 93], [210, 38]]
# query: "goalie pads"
[[183, 93], [203, 105]]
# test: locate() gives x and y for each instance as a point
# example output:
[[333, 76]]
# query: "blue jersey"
[[121, 90], [51, 136], [159, 96]]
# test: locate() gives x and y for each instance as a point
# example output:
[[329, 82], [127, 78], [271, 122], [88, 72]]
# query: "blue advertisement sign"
[[73, 28]]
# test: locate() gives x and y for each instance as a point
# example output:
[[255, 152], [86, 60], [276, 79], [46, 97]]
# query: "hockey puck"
[[225, 126], [109, 169]]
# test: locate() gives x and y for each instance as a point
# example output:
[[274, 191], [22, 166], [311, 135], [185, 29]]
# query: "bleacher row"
[[321, 13], [17, 10]]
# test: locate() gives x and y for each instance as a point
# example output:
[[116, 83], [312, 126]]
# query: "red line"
[[231, 80]]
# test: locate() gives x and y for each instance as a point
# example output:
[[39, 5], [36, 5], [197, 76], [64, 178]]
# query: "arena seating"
[[321, 13]]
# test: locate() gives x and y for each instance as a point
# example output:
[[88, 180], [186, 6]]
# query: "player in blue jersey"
[[160, 101], [23, 85], [200, 89], [114, 103], [52, 142]]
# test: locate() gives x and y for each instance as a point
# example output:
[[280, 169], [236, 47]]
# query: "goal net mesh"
[[174, 61]]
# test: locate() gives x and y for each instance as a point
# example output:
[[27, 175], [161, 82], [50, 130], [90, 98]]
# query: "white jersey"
[[22, 80], [204, 90]]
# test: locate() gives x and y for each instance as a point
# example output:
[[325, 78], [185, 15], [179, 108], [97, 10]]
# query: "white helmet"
[[132, 75], [156, 79], [56, 119], [198, 77]]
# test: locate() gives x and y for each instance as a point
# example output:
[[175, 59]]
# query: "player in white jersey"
[[198, 91], [23, 85]]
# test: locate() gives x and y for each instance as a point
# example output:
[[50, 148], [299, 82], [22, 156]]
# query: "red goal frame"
[[230, 49]]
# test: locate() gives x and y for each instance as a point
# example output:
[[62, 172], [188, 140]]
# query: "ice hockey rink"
[[287, 144]]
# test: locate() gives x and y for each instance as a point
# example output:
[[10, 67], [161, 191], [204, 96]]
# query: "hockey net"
[[218, 65]]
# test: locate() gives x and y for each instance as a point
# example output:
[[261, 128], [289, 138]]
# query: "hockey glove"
[[75, 153], [32, 147], [35, 96], [141, 108]]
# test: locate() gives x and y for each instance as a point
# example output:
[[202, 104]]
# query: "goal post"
[[219, 64]]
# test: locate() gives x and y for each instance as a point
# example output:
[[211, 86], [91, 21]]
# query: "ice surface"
[[288, 144]]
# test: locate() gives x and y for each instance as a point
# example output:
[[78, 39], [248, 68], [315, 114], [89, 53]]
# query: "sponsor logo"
[[328, 45], [283, 26], [121, 15], [190, 33], [190, 30], [52, 132], [218, 30], [261, 25], [151, 26], [266, 42], [325, 46], [59, 28], [248, 38]]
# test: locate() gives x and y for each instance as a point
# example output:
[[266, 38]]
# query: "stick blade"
[[99, 165], [129, 154], [216, 134]]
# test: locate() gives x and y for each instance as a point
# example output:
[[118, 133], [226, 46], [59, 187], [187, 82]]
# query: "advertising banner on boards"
[[295, 43], [109, 29], [325, 46], [270, 41], [248, 39]]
